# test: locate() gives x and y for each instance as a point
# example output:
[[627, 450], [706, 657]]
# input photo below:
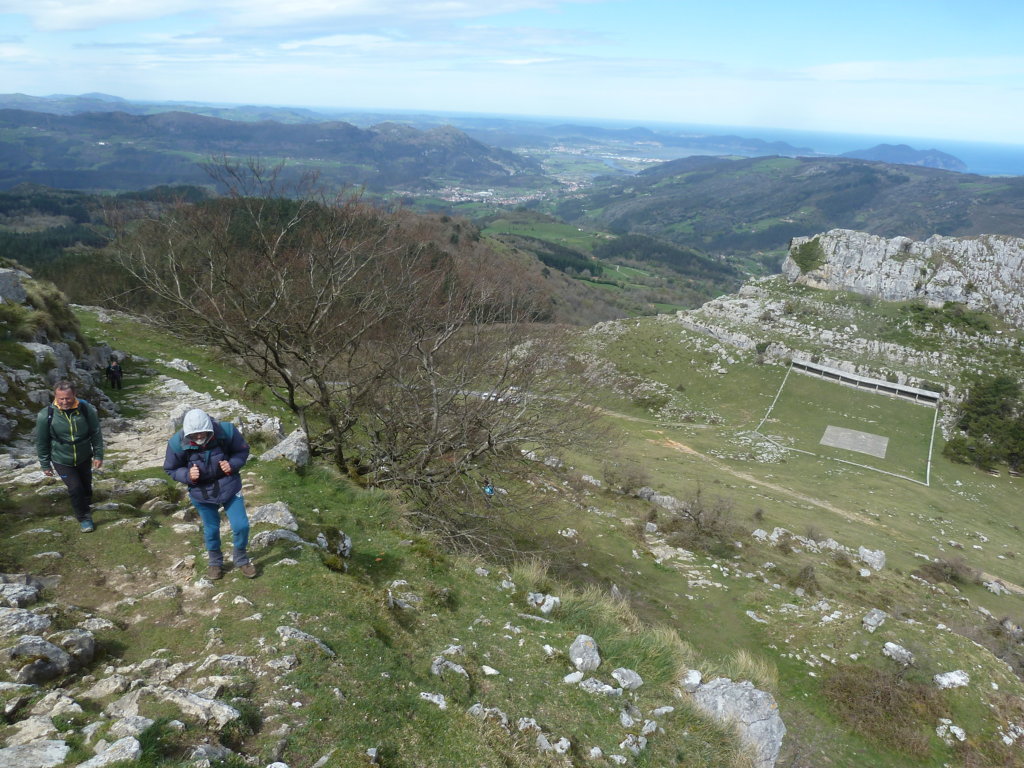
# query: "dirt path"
[[804, 498], [789, 492], [139, 443]]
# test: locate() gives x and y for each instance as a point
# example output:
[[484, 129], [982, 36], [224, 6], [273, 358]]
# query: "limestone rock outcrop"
[[983, 272]]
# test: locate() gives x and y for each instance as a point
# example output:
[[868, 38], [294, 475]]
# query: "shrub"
[[806, 579], [624, 475], [808, 256], [704, 523], [842, 559], [884, 706], [952, 571]]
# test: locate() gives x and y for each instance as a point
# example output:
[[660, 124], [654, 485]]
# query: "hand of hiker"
[[193, 473], [225, 468], [97, 463]]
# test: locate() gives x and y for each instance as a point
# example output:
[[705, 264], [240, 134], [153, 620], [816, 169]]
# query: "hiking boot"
[[214, 572], [248, 570], [87, 526]]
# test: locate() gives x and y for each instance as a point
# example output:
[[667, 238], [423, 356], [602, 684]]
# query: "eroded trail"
[[803, 498]]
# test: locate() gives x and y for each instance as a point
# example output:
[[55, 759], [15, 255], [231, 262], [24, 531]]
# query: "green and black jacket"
[[68, 437]]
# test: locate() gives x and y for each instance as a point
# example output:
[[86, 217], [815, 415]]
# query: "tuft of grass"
[[160, 743], [744, 665], [532, 575], [594, 610]]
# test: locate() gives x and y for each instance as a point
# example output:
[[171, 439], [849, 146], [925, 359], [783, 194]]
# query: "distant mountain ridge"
[[117, 150], [901, 154]]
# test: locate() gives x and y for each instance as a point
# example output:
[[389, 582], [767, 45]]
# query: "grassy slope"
[[369, 694], [700, 440], [963, 514]]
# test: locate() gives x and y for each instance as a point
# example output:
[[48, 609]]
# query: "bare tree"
[[402, 340]]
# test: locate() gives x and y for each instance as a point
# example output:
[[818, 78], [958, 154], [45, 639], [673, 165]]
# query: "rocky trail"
[[114, 584]]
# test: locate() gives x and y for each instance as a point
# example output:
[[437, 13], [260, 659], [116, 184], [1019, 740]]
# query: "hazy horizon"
[[918, 68]]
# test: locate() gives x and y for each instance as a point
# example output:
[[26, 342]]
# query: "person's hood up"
[[195, 421]]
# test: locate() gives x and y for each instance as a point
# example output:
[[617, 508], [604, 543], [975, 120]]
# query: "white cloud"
[[15, 52], [524, 62], [338, 41], [948, 69], [54, 15], [58, 15]]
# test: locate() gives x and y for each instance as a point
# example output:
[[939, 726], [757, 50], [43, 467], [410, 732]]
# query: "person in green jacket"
[[69, 441]]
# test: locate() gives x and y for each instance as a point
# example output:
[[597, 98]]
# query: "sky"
[[949, 69]]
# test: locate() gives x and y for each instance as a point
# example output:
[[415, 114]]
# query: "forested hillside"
[[746, 207]]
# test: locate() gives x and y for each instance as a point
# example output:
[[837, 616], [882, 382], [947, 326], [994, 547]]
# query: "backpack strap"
[[225, 436]]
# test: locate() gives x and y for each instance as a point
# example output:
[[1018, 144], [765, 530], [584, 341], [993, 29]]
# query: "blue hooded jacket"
[[226, 444]]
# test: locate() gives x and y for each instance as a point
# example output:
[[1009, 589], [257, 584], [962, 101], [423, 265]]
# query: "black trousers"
[[78, 479]]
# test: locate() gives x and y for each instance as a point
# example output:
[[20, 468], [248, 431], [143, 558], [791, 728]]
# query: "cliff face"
[[983, 272]]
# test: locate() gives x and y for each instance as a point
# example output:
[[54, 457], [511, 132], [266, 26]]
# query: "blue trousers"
[[210, 515]]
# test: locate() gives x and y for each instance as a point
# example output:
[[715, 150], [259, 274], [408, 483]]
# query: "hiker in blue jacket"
[[69, 442], [207, 456]]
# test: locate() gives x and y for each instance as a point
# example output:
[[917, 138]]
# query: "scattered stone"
[[434, 698], [294, 448], [291, 633], [18, 595], [125, 750], [873, 619], [17, 621], [691, 681], [277, 514], [996, 587], [955, 679], [633, 743], [264, 539], [546, 603], [593, 685], [47, 661], [129, 726], [38, 754], [163, 593], [898, 653], [440, 664], [32, 729], [79, 643], [873, 558], [584, 654], [627, 678], [753, 711], [489, 713], [56, 703]]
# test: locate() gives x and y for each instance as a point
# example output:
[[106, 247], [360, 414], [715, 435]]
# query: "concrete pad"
[[853, 440]]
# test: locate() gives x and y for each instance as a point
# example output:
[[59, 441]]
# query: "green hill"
[[744, 207], [119, 151]]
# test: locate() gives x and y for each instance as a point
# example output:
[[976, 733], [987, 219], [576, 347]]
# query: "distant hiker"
[[69, 441], [488, 488], [207, 456], [115, 373]]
